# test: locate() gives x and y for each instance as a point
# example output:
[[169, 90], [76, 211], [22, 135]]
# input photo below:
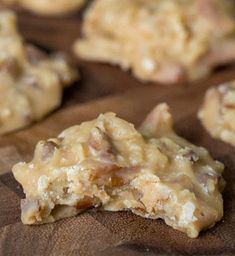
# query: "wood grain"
[[104, 88]]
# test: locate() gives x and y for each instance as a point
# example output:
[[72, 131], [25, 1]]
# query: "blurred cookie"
[[218, 112], [31, 83], [48, 7], [160, 40]]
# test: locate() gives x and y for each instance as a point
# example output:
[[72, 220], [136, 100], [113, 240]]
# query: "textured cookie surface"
[[108, 164], [160, 40], [31, 83], [218, 112]]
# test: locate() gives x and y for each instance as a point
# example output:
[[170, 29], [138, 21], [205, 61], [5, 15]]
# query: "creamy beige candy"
[[160, 40], [48, 7], [218, 112], [31, 83], [107, 164]]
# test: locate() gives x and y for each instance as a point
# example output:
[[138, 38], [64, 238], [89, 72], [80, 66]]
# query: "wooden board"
[[96, 233]]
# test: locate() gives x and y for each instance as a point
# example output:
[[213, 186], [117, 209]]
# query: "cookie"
[[160, 40], [31, 82], [218, 112], [48, 7], [107, 164]]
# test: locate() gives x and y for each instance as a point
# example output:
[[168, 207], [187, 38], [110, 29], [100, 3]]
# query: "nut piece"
[[109, 164]]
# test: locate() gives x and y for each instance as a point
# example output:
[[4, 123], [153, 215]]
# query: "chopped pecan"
[[48, 149], [191, 156], [88, 202], [34, 55], [10, 66]]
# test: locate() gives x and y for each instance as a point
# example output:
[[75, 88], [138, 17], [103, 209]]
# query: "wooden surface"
[[104, 233]]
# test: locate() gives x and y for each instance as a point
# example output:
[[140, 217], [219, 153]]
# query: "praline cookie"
[[160, 40], [48, 7], [107, 164], [218, 112], [31, 82]]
